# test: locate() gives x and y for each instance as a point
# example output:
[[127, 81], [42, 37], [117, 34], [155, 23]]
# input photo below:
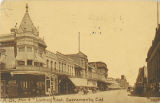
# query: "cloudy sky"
[[123, 29]]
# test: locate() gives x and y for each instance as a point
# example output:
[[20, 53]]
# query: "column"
[[0, 85]]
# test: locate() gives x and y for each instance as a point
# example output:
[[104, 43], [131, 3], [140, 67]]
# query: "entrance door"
[[47, 85], [65, 86]]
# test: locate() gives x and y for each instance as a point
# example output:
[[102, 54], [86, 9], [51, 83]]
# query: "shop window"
[[21, 49], [24, 84], [29, 62], [39, 84], [48, 84], [29, 49], [20, 62]]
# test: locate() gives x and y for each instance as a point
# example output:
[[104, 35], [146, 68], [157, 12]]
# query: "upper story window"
[[29, 62], [47, 63], [21, 49], [35, 50], [37, 64], [40, 54], [55, 65], [20, 62], [51, 64], [59, 66], [41, 64], [29, 49]]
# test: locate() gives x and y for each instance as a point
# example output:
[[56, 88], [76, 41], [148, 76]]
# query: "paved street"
[[114, 96]]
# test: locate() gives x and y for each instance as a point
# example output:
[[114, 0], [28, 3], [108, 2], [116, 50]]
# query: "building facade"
[[101, 72], [140, 87], [123, 82], [153, 63], [29, 69]]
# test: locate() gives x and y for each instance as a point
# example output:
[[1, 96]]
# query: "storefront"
[[22, 84], [65, 85]]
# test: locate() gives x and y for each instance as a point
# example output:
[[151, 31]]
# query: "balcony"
[[32, 68], [42, 70], [2, 66]]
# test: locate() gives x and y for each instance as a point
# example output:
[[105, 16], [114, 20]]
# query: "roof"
[[79, 54], [27, 24], [99, 65]]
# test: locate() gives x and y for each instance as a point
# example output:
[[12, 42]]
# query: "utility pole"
[[79, 41], [157, 13]]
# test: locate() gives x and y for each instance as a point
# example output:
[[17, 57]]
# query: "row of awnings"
[[78, 82], [82, 82]]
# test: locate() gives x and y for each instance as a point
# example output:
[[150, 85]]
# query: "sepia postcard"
[[80, 51]]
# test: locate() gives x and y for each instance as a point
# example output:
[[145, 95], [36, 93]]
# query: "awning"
[[79, 82], [92, 83]]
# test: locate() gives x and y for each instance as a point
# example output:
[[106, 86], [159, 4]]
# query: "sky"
[[123, 29]]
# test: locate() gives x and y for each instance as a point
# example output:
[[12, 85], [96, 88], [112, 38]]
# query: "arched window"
[[55, 65], [51, 64], [47, 63]]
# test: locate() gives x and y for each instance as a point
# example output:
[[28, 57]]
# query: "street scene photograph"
[[80, 51]]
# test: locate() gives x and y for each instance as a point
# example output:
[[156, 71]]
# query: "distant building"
[[102, 72], [113, 84], [123, 82], [140, 86], [142, 76]]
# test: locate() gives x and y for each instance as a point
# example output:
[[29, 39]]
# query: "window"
[[39, 84], [36, 64], [68, 70], [29, 49], [47, 63], [24, 84], [55, 65], [21, 49], [41, 65], [59, 66], [35, 50], [20, 62], [62, 66], [29, 62], [40, 54], [51, 64]]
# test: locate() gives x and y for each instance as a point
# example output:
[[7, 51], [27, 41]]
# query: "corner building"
[[29, 69]]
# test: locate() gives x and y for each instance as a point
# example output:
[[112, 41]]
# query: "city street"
[[114, 96]]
